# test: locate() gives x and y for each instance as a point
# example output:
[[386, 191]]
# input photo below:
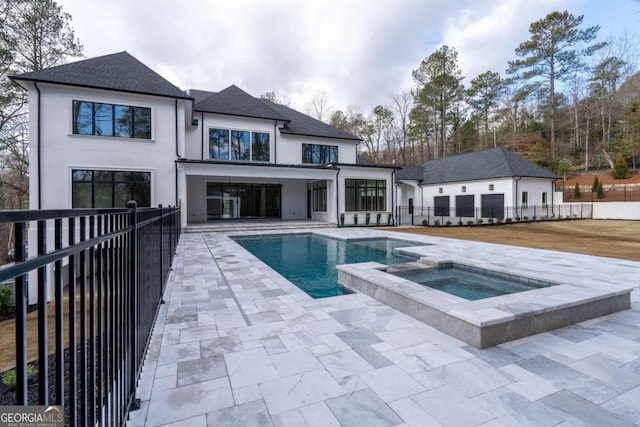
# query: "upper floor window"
[[226, 144], [319, 154], [96, 118]]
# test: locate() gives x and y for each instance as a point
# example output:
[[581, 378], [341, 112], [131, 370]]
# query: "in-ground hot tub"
[[490, 320]]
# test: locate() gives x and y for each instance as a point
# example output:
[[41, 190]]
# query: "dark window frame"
[[319, 154], [243, 152], [319, 196], [113, 111], [363, 194], [116, 180]]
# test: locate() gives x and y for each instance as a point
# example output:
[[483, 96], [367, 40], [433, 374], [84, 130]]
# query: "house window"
[[525, 199], [226, 144], [464, 189], [109, 189], [319, 196], [94, 118], [319, 154], [440, 190], [544, 199], [365, 194], [491, 187]]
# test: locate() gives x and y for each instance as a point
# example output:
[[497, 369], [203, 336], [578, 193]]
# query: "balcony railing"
[[428, 215], [95, 280]]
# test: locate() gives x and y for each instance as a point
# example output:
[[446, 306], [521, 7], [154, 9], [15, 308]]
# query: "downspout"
[[39, 145], [338, 198], [393, 181], [553, 190], [177, 154], [202, 134], [516, 196]]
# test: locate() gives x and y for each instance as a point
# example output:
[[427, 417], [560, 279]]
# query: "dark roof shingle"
[[414, 173], [118, 71], [486, 164], [236, 102]]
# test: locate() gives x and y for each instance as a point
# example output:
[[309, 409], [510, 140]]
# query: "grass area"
[[615, 239]]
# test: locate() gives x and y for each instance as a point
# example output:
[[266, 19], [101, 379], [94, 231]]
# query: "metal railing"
[[98, 275], [428, 215], [610, 193]]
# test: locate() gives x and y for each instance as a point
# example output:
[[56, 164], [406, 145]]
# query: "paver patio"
[[238, 345]]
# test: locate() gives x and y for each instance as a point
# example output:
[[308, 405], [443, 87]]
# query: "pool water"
[[470, 283], [309, 261]]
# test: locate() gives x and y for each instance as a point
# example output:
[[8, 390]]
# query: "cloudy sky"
[[357, 51]]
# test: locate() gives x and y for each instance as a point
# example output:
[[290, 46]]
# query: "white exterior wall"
[[535, 188], [290, 148], [476, 188], [62, 151], [198, 136], [616, 210]]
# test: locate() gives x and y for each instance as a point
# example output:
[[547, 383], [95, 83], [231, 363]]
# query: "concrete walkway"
[[238, 345]]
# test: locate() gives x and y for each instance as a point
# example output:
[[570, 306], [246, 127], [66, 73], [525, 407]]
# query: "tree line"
[[566, 101]]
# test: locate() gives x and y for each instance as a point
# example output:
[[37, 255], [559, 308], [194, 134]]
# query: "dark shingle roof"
[[486, 164], [301, 124], [118, 71], [410, 173], [199, 95], [236, 102]]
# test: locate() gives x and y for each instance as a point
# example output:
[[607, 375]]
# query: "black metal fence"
[[95, 281], [428, 215]]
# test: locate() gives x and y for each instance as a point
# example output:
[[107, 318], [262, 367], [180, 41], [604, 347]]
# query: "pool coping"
[[490, 321]]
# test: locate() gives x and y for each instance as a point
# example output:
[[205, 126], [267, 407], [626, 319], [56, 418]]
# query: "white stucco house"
[[492, 183], [109, 129]]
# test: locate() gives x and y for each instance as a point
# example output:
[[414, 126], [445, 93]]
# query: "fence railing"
[[95, 278], [610, 193], [428, 215]]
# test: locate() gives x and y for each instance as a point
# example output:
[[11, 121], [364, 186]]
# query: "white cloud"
[[357, 51]]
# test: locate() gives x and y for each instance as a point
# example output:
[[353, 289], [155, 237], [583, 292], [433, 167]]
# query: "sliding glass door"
[[243, 201]]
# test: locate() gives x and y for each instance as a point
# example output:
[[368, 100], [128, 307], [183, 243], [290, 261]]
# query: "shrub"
[[620, 169], [367, 218], [425, 222], [342, 219], [600, 191], [437, 223], [534, 217], [5, 301], [460, 222], [576, 192], [448, 223], [389, 218], [355, 219], [526, 218], [471, 222], [509, 220], [595, 185], [490, 221], [9, 377], [480, 221], [378, 218], [499, 220]]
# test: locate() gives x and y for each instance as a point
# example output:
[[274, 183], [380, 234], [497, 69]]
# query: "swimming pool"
[[470, 283], [309, 261]]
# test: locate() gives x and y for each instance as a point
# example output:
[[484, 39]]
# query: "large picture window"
[[95, 118], [365, 194], [319, 154], [109, 189], [229, 144]]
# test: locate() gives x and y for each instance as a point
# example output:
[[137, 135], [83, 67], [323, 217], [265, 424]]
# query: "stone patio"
[[238, 345]]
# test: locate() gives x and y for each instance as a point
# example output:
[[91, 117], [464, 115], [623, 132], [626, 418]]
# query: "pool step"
[[233, 226]]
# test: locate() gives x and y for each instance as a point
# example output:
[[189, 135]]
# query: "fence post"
[[21, 318], [134, 403]]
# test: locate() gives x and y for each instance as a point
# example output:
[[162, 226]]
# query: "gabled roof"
[[118, 71], [199, 95], [234, 101], [301, 124], [486, 164]]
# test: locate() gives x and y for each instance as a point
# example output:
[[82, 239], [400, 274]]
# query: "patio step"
[[228, 227]]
